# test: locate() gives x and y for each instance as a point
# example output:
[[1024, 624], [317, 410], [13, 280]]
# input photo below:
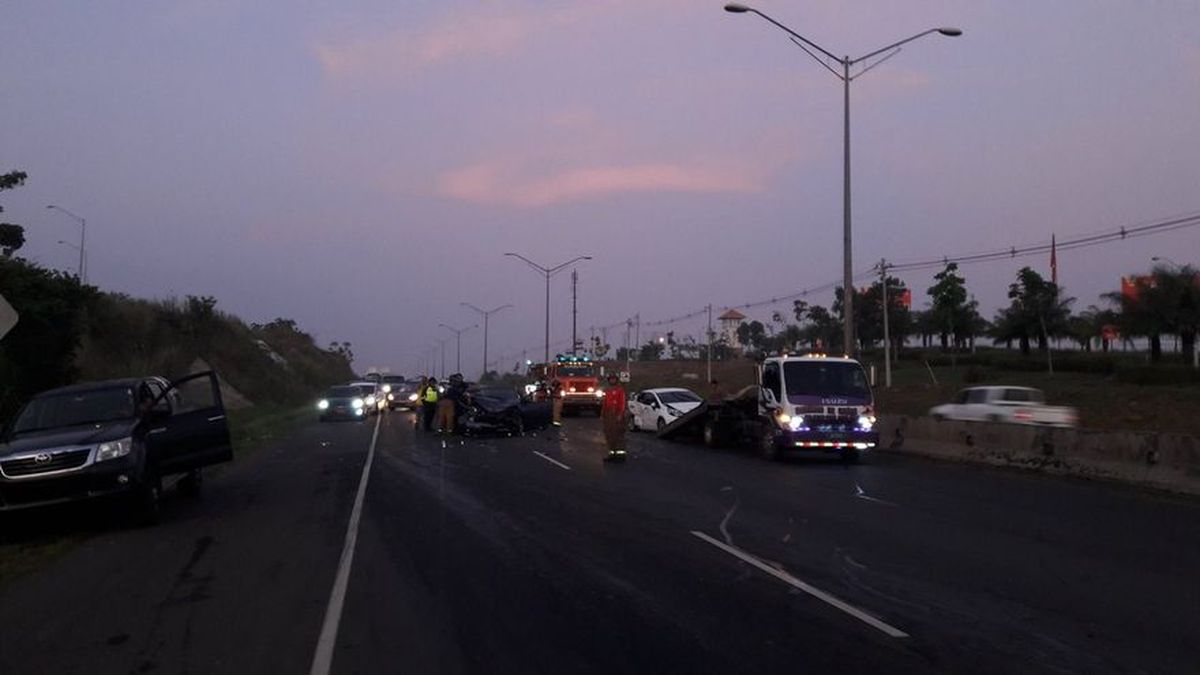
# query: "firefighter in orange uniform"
[[612, 413]]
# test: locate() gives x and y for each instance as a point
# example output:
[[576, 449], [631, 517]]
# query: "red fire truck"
[[580, 380]]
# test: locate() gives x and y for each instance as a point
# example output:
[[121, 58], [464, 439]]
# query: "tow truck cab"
[[817, 403]]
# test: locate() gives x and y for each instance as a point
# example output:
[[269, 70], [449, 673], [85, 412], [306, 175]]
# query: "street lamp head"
[[950, 32], [736, 8]]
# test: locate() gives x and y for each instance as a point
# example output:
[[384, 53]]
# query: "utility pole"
[[628, 347], [548, 272], [443, 345], [458, 348], [710, 344], [887, 338], [486, 316], [574, 310]]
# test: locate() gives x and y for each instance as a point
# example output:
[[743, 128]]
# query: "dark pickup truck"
[[113, 439]]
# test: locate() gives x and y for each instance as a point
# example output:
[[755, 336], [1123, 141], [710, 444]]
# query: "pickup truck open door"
[[191, 430]]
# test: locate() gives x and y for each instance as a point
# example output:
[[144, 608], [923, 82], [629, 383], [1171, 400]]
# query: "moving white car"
[[656, 408], [1015, 405]]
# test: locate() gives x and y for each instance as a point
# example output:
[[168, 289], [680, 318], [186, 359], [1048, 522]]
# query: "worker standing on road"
[[447, 405], [429, 402], [613, 414], [556, 398]]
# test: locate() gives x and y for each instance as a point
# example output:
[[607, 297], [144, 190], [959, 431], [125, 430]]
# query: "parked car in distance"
[[1014, 405], [656, 408], [345, 402], [501, 409], [113, 439]]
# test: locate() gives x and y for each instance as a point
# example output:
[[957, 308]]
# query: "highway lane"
[[532, 555]]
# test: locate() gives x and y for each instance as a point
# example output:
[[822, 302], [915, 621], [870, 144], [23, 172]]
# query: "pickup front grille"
[[46, 462]]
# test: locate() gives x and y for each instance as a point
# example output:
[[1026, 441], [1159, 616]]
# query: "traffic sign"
[[8, 317]]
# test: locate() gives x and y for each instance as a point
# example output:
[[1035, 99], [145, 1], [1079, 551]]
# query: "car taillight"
[[1023, 415]]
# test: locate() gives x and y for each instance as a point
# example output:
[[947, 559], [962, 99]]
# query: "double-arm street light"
[[458, 345], [82, 274], [548, 272], [487, 314], [844, 75]]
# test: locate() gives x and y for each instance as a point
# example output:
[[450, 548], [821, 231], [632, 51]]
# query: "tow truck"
[[812, 404], [580, 382]]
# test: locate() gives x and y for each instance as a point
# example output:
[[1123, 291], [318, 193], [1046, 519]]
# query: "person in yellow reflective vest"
[[429, 401]]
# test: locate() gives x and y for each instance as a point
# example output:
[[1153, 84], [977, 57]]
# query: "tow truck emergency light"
[[573, 359]]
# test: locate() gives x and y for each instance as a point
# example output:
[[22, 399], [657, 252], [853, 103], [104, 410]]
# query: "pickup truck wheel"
[[767, 445], [191, 483], [147, 501]]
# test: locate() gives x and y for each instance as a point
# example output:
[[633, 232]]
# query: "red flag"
[[1053, 260]]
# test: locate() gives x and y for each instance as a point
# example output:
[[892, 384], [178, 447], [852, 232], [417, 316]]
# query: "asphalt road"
[[530, 555]]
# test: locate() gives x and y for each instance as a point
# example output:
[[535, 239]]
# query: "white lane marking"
[[552, 460], [817, 593], [725, 521], [861, 494], [323, 658]]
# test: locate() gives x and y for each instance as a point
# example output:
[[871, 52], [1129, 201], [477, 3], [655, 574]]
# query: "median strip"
[[885, 628]]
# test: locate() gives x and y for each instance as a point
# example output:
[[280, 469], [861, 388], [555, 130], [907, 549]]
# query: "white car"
[[1015, 405], [373, 396], [656, 408]]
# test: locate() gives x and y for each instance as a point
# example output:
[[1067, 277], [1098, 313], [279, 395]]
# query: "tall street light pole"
[[548, 272], [82, 274], [844, 75], [487, 314], [458, 346]]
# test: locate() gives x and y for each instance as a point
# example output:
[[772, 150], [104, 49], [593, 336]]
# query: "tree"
[[751, 334], [949, 308], [1038, 311], [651, 351], [1165, 302], [12, 237], [823, 331]]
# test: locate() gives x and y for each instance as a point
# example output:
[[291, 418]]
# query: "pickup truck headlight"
[[789, 422], [370, 399], [391, 398], [323, 404], [356, 403], [866, 422], [412, 397], [114, 449]]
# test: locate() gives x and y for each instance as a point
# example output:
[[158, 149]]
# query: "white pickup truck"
[[1016, 405]]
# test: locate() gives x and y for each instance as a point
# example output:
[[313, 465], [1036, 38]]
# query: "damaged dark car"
[[501, 410]]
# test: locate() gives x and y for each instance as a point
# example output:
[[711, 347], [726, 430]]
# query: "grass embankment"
[[1105, 397]]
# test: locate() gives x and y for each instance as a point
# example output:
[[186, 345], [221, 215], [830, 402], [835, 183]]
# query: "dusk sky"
[[361, 167]]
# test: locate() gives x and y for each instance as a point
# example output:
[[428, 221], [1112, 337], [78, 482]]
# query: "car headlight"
[[323, 405], [387, 389], [675, 412], [441, 389], [412, 397], [391, 398], [866, 422], [357, 403], [370, 399], [114, 449], [796, 422], [599, 393]]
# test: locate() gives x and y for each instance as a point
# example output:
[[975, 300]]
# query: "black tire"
[[517, 425], [767, 446], [192, 483], [146, 503]]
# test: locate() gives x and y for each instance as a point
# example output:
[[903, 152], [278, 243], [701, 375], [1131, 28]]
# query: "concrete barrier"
[[1164, 461]]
